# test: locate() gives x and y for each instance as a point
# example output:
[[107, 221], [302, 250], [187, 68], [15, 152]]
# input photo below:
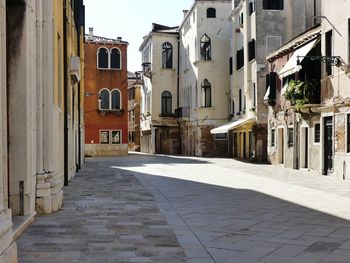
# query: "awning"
[[291, 66], [231, 125]]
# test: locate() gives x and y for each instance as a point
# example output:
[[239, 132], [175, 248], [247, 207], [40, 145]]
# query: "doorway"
[[304, 147], [328, 145], [280, 145]]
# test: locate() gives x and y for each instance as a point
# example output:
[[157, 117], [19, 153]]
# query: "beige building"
[[204, 77], [258, 28], [335, 94], [159, 129], [310, 122], [32, 151], [134, 110], [294, 118]]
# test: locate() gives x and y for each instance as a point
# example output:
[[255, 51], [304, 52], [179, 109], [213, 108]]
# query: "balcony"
[[182, 112], [167, 115], [146, 69], [116, 112]]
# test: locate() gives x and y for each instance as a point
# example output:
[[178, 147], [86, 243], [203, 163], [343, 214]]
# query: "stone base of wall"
[[49, 193], [8, 248], [10, 254], [106, 149]]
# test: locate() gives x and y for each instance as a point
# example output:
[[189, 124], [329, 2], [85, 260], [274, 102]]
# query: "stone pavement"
[[108, 216], [220, 210]]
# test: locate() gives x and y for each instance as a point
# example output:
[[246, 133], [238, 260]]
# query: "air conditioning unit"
[[75, 69]]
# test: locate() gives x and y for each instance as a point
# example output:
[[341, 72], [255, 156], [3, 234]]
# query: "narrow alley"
[[210, 210]]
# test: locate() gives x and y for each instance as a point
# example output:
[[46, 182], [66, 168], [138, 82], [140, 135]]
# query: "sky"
[[131, 20]]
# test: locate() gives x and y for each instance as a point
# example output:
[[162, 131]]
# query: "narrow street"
[[210, 210]]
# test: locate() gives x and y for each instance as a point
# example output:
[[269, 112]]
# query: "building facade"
[[203, 77], [33, 150], [335, 119], [134, 110], [294, 102], [159, 128], [317, 122], [258, 28], [106, 96]]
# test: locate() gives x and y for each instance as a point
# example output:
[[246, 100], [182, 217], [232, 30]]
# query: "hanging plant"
[[298, 93]]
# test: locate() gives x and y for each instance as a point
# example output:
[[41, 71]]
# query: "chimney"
[[119, 38], [91, 33], [185, 12]]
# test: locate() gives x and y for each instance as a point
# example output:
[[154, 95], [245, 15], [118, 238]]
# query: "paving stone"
[[108, 216]]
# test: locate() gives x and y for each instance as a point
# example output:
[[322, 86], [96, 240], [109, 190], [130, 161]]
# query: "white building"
[[204, 77], [159, 129], [258, 28]]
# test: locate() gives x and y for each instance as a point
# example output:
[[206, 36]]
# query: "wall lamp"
[[332, 60]]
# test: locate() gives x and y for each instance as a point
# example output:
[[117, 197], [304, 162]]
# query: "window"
[[348, 133], [116, 103], [251, 50], [104, 137], [167, 55], [317, 130], [205, 48], [251, 7], [273, 137], [104, 99], [348, 40], [116, 137], [211, 12], [206, 89], [115, 59], [240, 59], [102, 58], [254, 95], [329, 51], [241, 20], [132, 94], [240, 100], [233, 108], [166, 102], [220, 136], [231, 66], [290, 137], [109, 59], [273, 4]]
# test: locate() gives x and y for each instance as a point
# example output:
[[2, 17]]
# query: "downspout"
[[65, 92], [178, 91], [79, 107]]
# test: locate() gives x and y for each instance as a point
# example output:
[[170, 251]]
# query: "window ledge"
[[109, 111], [201, 61]]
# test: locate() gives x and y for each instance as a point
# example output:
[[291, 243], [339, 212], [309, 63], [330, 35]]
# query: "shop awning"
[[231, 125], [292, 66]]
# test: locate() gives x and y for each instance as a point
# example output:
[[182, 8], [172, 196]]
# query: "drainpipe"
[[178, 90], [79, 107], [65, 92]]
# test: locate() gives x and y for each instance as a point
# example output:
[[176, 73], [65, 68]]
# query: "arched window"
[[167, 55], [116, 100], [102, 58], [104, 99], [116, 59], [211, 12], [206, 91], [166, 102], [205, 47]]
